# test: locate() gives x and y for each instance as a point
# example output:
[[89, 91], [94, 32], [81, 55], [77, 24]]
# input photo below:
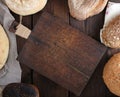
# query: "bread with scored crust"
[[82, 9]]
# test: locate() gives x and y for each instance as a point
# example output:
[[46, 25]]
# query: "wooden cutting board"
[[61, 53]]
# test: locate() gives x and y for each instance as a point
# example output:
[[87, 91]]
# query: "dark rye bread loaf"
[[20, 90]]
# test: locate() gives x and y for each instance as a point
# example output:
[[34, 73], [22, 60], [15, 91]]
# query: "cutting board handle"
[[20, 30]]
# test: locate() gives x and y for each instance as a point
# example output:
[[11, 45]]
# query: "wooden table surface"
[[91, 27]]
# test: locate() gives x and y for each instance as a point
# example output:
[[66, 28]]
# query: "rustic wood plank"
[[80, 25], [60, 9], [96, 87], [59, 43], [48, 6], [94, 24], [27, 72], [46, 86]]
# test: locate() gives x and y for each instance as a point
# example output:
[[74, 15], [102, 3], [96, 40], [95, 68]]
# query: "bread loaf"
[[82, 9], [4, 47], [25, 7], [111, 74], [111, 33]]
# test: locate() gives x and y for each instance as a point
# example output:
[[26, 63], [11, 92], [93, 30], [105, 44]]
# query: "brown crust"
[[21, 90], [25, 7], [111, 33], [83, 9], [79, 9], [36, 90], [111, 74], [99, 7]]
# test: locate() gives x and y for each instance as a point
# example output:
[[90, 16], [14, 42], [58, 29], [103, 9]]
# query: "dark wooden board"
[[56, 49], [47, 87]]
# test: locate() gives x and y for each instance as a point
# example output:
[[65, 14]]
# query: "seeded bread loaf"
[[111, 33]]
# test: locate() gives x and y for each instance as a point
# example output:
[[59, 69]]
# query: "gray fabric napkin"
[[12, 71]]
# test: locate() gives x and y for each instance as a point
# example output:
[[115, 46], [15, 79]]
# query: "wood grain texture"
[[94, 24], [64, 52], [60, 9], [43, 83], [80, 25], [47, 87], [27, 75]]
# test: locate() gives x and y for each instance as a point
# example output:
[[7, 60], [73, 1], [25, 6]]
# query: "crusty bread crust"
[[111, 74], [25, 7], [99, 7], [82, 9], [4, 47], [111, 33]]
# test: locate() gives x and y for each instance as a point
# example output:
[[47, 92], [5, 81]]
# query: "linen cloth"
[[11, 72]]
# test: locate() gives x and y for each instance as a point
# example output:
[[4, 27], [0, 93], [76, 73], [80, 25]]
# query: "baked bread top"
[[4, 47], [82, 9], [111, 33], [111, 74], [25, 7]]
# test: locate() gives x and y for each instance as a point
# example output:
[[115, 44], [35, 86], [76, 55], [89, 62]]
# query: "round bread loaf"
[[4, 47], [111, 74], [82, 9], [20, 90], [111, 33], [25, 7]]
